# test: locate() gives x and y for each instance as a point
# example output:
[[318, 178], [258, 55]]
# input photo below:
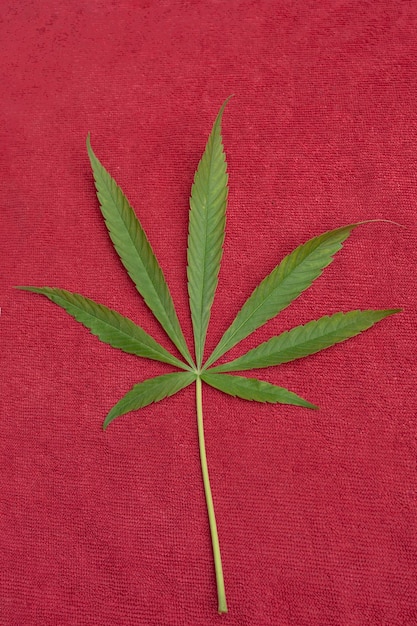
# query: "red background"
[[316, 510]]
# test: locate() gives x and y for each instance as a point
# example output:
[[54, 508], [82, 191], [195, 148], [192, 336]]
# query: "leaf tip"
[[378, 220], [222, 108], [24, 288], [388, 312]]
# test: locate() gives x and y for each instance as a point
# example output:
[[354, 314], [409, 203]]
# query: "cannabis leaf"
[[206, 234], [287, 281]]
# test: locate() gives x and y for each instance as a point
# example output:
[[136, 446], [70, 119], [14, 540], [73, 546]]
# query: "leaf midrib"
[[124, 220], [108, 187], [350, 326], [204, 278], [123, 332], [287, 333]]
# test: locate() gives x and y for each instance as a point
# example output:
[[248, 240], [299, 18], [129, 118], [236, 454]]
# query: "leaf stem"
[[221, 594]]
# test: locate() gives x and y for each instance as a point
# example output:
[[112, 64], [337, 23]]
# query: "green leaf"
[[135, 252], [108, 325], [305, 340], [284, 284], [151, 390], [254, 389], [206, 233]]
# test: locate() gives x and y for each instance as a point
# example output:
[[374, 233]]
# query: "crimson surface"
[[316, 510]]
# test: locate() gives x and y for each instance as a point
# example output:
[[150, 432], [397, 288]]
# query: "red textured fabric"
[[316, 511]]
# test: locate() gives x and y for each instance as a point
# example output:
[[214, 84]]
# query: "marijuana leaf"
[[108, 325], [206, 234], [151, 390], [287, 281], [135, 252], [253, 389]]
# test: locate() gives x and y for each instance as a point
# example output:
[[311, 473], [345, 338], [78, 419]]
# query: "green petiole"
[[221, 594]]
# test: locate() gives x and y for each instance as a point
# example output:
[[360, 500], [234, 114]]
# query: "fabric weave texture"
[[316, 510]]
